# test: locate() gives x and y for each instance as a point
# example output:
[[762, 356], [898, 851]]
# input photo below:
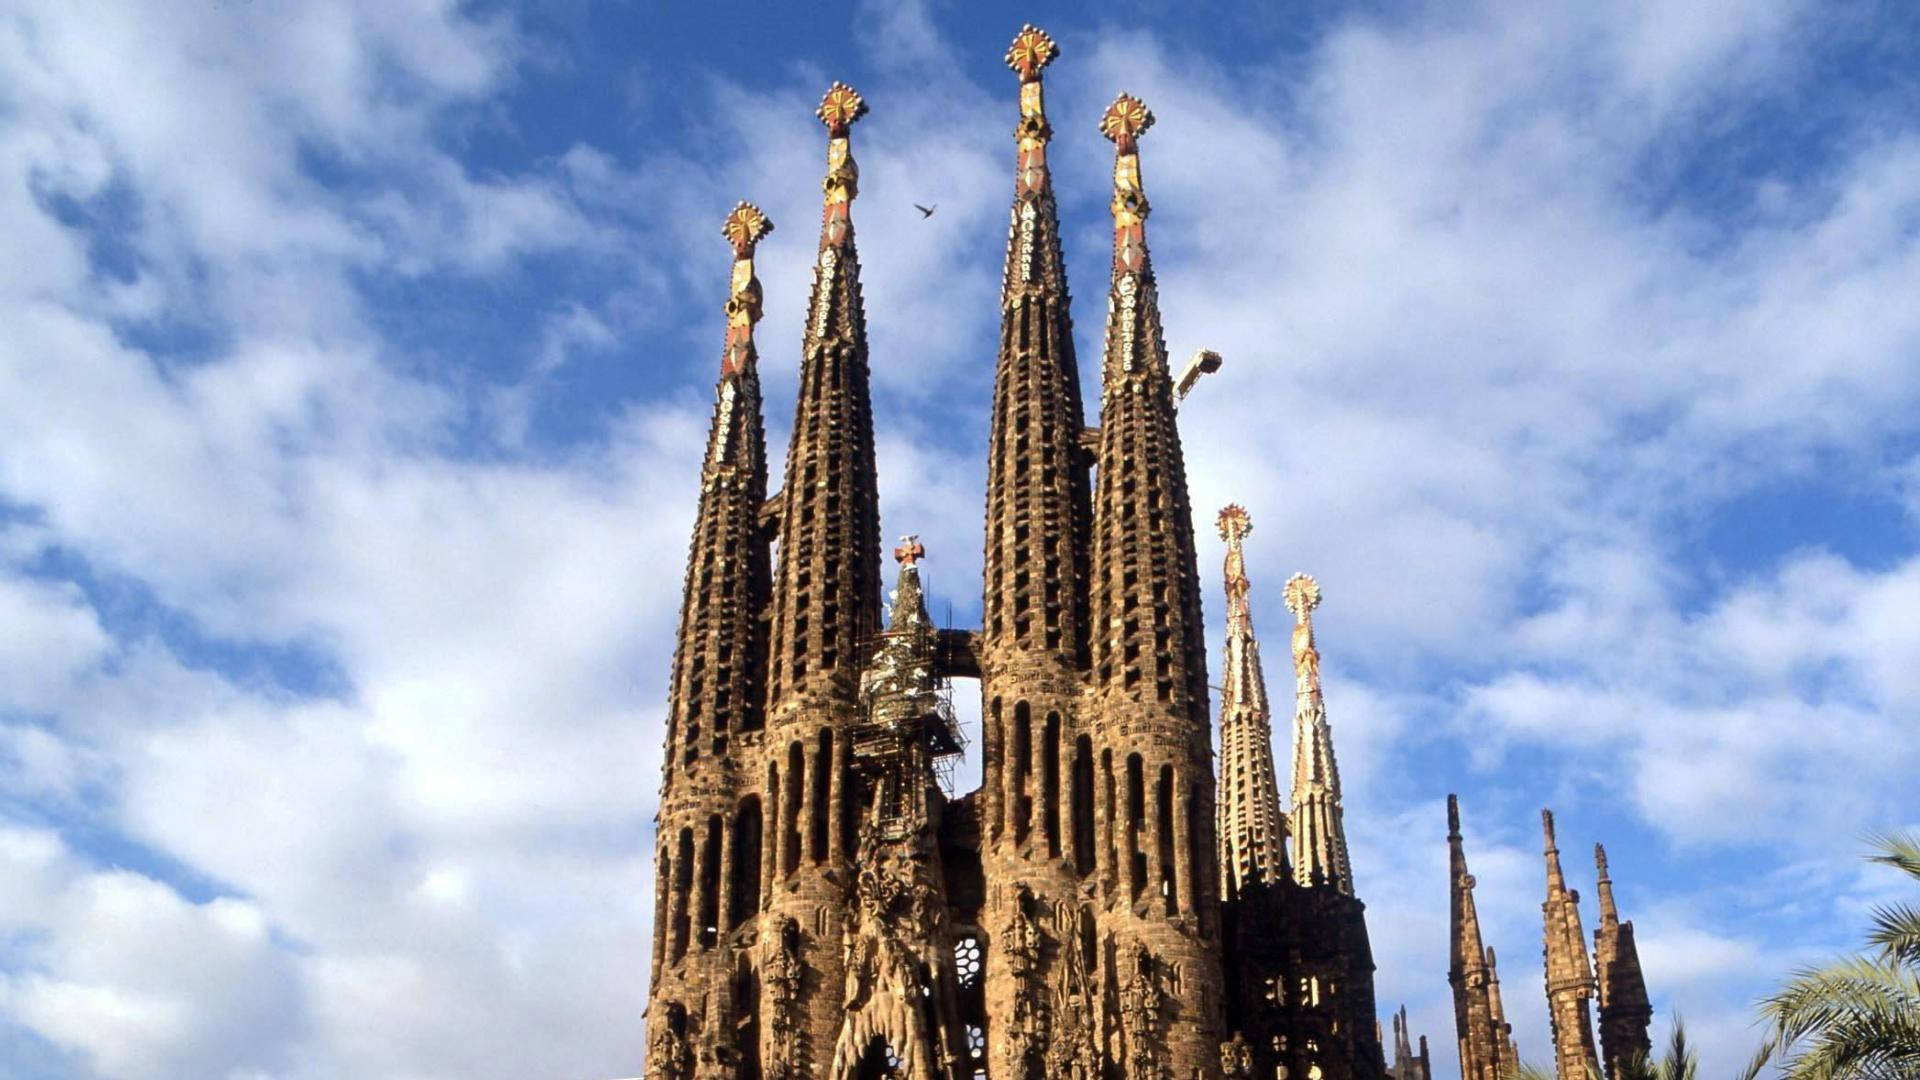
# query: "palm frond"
[[1896, 931], [1857, 986], [1898, 848], [1520, 1070], [1759, 1059], [1680, 1061]]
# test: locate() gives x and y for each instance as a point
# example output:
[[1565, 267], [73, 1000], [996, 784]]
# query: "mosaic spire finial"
[[744, 227], [839, 108], [1123, 123], [1032, 51]]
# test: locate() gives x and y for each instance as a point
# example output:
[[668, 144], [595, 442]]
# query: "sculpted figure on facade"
[[670, 1055]]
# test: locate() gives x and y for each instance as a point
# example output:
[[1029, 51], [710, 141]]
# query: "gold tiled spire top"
[[1032, 50], [841, 106], [1123, 123], [744, 227]]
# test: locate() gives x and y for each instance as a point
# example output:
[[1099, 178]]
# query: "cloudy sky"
[[355, 365]]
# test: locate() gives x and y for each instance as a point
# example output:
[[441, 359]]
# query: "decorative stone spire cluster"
[[1485, 1037], [1319, 831], [1408, 1065], [1569, 977], [1252, 828], [1625, 1010]]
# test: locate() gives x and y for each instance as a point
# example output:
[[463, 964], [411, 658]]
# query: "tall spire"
[[1319, 833], [1569, 978], [1148, 684], [1033, 641], [715, 690], [714, 696], [1625, 1010], [827, 597], [1476, 1010], [1035, 606], [1252, 828]]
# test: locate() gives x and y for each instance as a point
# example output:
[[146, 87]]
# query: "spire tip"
[[1235, 523], [1032, 50], [1303, 594], [745, 225], [840, 107], [1125, 121], [1453, 816]]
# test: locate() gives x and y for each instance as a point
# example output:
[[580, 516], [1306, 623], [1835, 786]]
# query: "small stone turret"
[[1569, 978], [1625, 1011], [1477, 1018]]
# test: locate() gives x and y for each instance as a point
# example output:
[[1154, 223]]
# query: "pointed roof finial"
[[839, 108], [744, 227], [1032, 50], [910, 551], [1235, 523], [1303, 595], [1124, 122], [1453, 816]]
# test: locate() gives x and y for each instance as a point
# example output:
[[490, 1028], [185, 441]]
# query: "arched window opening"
[[1050, 784], [709, 914], [682, 885], [793, 796], [1022, 766], [1163, 833], [822, 791], [744, 887], [1136, 818], [1083, 805]]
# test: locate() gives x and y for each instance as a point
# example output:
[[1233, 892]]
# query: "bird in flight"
[[926, 211]]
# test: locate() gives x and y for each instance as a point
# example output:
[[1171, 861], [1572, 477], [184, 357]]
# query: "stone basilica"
[[1104, 905]]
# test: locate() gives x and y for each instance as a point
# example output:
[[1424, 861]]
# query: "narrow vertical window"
[[708, 916], [1163, 836], [1083, 805], [822, 792], [1050, 784], [745, 891], [1022, 765], [795, 794]]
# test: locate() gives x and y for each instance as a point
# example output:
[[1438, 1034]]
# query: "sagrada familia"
[[1105, 905]]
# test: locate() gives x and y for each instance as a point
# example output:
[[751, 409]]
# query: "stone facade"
[[1100, 907]]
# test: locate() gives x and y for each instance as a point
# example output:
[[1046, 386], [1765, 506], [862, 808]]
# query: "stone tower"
[[709, 819], [825, 909], [1625, 1010], [1333, 968], [1038, 799], [1569, 977], [1299, 967], [1479, 1021], [1147, 692]]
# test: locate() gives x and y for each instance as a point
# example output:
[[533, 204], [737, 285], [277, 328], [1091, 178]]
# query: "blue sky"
[[358, 358]]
